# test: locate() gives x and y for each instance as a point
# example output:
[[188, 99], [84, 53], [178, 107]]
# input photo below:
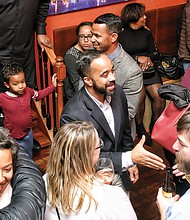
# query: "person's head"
[[134, 13], [97, 72], [8, 158], [74, 151], [105, 31], [182, 144], [84, 34], [14, 78]]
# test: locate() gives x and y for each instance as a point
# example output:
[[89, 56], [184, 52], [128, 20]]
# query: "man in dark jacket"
[[19, 19], [28, 191], [105, 105]]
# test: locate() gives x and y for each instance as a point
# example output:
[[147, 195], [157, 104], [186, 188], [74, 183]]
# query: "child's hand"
[[54, 80]]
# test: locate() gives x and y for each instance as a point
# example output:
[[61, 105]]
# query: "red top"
[[18, 112]]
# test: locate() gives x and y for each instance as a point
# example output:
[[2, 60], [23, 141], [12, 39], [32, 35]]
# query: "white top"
[[5, 199], [113, 204]]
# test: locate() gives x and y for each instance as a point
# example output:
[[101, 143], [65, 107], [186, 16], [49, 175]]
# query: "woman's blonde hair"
[[70, 169]]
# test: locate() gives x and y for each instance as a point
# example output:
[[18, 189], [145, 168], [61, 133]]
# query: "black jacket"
[[29, 197], [81, 107], [180, 95], [18, 21]]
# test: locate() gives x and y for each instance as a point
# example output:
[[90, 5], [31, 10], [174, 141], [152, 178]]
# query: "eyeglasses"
[[100, 145], [83, 37]]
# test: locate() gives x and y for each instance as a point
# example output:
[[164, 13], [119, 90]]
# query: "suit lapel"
[[98, 116], [117, 118]]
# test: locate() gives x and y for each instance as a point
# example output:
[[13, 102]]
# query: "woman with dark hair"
[[138, 41], [8, 158], [22, 190], [73, 82]]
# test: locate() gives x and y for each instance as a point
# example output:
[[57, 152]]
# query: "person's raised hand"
[[141, 156], [54, 80]]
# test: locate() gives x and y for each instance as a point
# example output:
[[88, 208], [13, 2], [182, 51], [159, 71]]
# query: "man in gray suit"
[[105, 30], [105, 105]]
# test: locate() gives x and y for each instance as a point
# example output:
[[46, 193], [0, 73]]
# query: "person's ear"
[[88, 81], [6, 84], [114, 37]]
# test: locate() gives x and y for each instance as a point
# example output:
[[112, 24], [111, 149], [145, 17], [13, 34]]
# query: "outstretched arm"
[[141, 156]]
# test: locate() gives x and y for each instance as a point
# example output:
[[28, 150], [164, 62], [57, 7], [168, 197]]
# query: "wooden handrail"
[[55, 65], [51, 55]]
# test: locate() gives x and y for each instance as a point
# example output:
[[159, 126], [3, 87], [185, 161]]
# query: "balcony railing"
[[47, 63]]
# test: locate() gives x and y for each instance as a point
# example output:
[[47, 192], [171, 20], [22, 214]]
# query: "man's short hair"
[[112, 21], [84, 23], [7, 142], [184, 123], [83, 64], [11, 69]]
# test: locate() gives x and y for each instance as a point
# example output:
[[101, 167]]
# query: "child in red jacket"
[[16, 104]]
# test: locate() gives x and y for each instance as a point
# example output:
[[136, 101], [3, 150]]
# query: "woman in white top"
[[72, 189]]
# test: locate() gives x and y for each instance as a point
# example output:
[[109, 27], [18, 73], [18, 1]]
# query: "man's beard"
[[183, 166], [102, 90]]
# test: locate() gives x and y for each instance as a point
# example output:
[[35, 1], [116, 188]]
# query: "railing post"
[[60, 70]]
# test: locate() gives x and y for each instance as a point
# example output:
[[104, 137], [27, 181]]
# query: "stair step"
[[34, 115], [34, 123], [41, 138], [34, 119]]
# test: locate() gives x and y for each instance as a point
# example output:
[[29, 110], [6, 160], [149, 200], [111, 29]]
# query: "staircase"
[[40, 132]]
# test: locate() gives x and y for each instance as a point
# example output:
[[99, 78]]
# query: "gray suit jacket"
[[130, 78]]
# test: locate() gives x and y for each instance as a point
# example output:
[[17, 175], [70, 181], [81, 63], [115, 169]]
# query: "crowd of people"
[[106, 85]]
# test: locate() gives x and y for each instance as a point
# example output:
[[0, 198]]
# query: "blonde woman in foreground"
[[72, 189]]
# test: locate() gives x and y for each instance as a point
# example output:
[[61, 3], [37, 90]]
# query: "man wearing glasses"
[[73, 81]]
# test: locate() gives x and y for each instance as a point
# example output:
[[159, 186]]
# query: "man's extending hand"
[[141, 156]]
